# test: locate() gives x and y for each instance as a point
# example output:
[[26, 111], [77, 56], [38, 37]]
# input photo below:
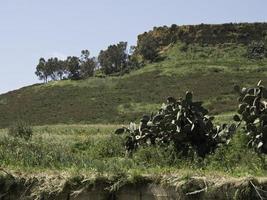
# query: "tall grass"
[[95, 149]]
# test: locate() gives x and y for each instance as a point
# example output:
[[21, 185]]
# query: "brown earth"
[[60, 187]]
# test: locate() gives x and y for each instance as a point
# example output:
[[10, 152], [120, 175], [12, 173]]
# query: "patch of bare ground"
[[63, 186]]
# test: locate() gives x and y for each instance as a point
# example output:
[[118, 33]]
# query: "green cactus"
[[189, 97], [182, 122], [252, 109]]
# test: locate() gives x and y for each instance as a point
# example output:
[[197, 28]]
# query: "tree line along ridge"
[[119, 59]]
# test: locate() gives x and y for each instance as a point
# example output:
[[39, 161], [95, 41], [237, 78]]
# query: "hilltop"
[[205, 59]]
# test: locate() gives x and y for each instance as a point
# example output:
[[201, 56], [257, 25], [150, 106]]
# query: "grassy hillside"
[[210, 71]]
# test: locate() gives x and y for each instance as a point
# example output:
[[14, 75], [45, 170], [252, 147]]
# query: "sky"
[[30, 29]]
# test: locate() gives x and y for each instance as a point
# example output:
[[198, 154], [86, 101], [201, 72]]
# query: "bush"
[[20, 129], [106, 147], [157, 156], [236, 157], [257, 50]]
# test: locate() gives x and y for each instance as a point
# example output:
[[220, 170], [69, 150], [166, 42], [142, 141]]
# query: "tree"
[[133, 61], [61, 69], [41, 70], [73, 67], [87, 64], [114, 59], [148, 47], [52, 67]]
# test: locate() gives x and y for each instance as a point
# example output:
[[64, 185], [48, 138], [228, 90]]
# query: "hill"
[[81, 158], [207, 67]]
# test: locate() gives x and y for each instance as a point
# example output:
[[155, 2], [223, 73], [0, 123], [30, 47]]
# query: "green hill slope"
[[210, 71]]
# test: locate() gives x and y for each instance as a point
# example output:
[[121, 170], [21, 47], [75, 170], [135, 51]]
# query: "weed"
[[20, 129]]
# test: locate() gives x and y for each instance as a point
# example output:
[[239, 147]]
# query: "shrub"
[[184, 47], [257, 50], [157, 156], [106, 147], [233, 159], [20, 129]]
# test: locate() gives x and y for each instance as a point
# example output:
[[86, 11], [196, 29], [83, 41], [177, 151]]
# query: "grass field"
[[94, 149]]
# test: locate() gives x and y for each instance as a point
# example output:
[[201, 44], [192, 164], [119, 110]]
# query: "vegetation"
[[72, 68], [253, 110], [257, 50], [207, 34], [214, 56], [148, 48], [179, 139], [20, 129], [87, 65], [114, 59], [214, 69], [185, 124], [184, 128], [93, 149]]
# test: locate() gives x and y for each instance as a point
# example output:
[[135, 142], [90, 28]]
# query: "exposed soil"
[[60, 187]]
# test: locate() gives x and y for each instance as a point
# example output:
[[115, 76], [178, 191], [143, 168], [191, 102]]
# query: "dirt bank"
[[145, 188]]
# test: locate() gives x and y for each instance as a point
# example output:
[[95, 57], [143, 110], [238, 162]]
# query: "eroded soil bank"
[[144, 188]]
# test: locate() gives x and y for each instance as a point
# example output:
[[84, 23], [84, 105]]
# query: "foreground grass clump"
[[93, 149], [237, 158], [20, 129]]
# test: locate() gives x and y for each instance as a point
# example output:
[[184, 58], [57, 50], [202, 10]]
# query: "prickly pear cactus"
[[252, 110], [182, 122]]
